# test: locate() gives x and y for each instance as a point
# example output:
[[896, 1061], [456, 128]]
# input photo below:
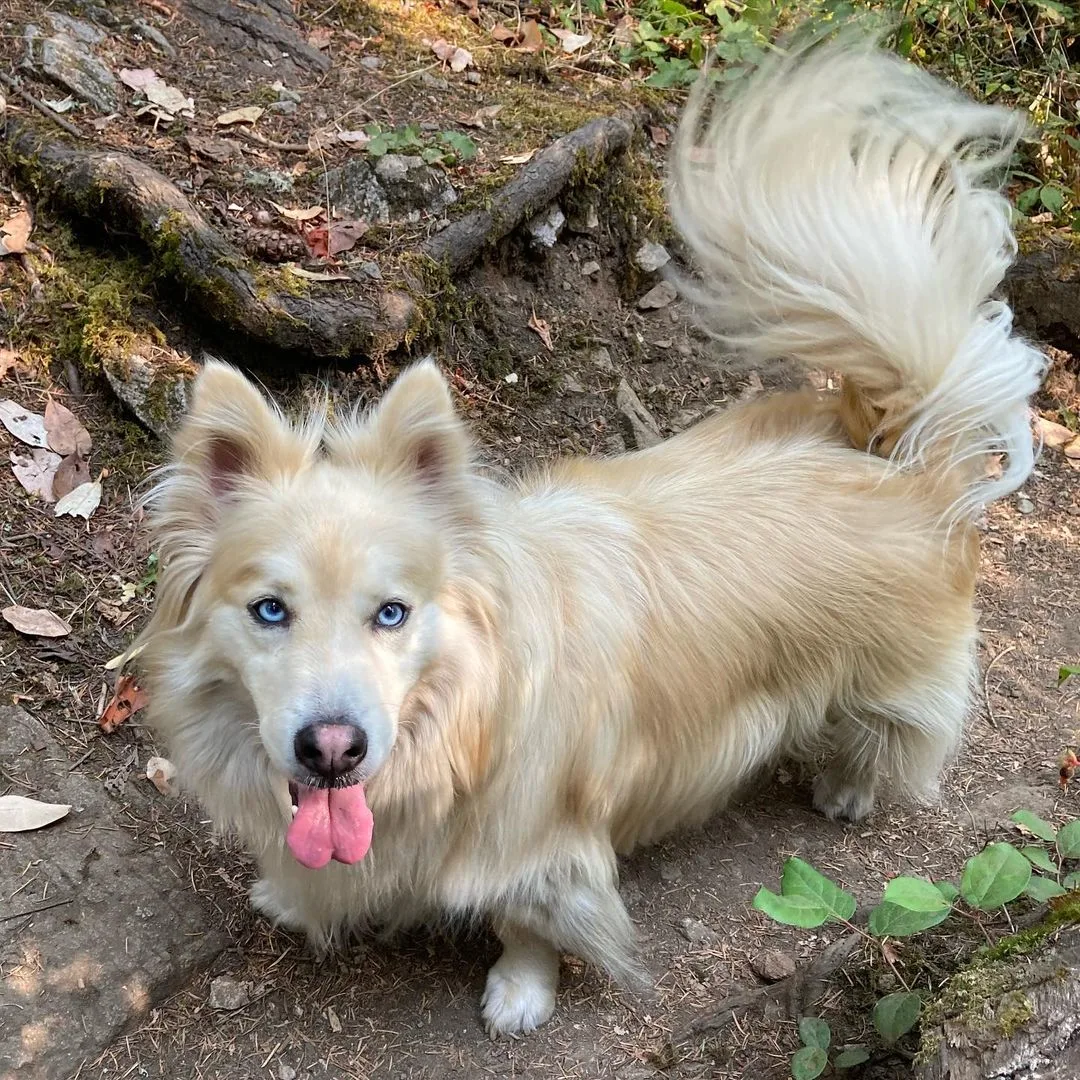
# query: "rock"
[[270, 180], [1044, 288], [67, 58], [589, 268], [602, 359], [772, 965], [370, 270], [1024, 504], [641, 427], [284, 93], [395, 187], [472, 77], [696, 932], [371, 63], [286, 1072], [228, 994], [659, 296], [434, 82], [584, 221], [545, 228], [120, 927], [572, 385], [154, 35], [155, 390], [286, 108], [670, 872], [650, 257]]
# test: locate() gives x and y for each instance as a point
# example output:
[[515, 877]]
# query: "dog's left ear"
[[413, 431]]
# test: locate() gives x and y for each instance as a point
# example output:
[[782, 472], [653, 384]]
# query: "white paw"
[[517, 1000], [843, 799], [268, 899]]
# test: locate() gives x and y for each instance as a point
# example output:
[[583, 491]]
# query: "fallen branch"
[[536, 185], [41, 107]]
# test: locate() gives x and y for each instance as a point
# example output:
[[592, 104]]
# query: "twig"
[[36, 910], [262, 140], [41, 107], [986, 685]]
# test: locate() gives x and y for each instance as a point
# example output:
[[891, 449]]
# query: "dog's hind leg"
[[909, 738], [520, 991]]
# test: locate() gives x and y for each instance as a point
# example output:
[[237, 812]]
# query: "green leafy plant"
[[441, 148], [998, 875]]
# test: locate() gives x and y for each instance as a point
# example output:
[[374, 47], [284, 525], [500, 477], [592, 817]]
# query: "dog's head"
[[306, 583]]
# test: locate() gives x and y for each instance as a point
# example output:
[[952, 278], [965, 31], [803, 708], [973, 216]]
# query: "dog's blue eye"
[[270, 610], [391, 615]]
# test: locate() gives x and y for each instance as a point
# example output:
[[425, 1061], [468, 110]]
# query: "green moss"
[[1013, 1013]]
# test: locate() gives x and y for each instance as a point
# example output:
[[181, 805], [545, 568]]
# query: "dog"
[[417, 693]]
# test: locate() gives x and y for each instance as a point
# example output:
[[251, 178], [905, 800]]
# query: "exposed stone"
[[650, 257], [1024, 504], [641, 427], [696, 932], [155, 390], [589, 268], [659, 296], [269, 180], [772, 965], [602, 359], [545, 228], [395, 187], [118, 929], [67, 58], [371, 63], [286, 108], [226, 993], [584, 221]]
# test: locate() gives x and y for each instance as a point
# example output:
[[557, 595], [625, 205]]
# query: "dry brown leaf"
[[458, 58], [623, 33], [531, 38], [1054, 436], [1072, 449], [309, 213], [72, 472], [571, 42], [320, 37], [15, 232], [66, 435], [20, 814], [161, 772], [332, 1017], [481, 116], [127, 700], [36, 622], [80, 502], [343, 235], [315, 275], [28, 427], [247, 115], [8, 359], [659, 135], [503, 33], [543, 330], [36, 470], [518, 159]]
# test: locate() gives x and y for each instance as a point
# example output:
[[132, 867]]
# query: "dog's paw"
[[843, 798], [516, 1001]]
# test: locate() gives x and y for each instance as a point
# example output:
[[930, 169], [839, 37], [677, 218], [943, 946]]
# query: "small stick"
[[261, 140], [41, 107], [986, 685]]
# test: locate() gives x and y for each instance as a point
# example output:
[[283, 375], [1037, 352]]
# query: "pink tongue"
[[330, 823]]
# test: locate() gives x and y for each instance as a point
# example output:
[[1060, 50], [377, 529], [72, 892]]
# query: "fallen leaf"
[[531, 38], [332, 1017], [121, 659], [36, 470], [1054, 436], [36, 622], [659, 135], [20, 814], [247, 115], [343, 235], [138, 78], [320, 37], [1072, 449], [161, 772], [309, 213], [72, 472], [315, 275], [61, 105], [623, 33], [571, 42], [518, 159], [66, 435], [8, 359], [157, 91], [353, 138], [481, 116], [26, 426], [503, 33], [458, 58], [15, 232], [81, 501], [219, 150], [543, 330], [472, 9], [318, 242], [127, 700]]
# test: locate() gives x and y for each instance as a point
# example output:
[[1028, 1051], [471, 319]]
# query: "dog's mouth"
[[328, 823]]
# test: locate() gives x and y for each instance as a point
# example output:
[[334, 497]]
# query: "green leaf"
[[791, 910], [915, 894], [814, 1032], [1035, 825], [998, 874], [1068, 840], [1052, 198], [947, 889], [851, 1056], [896, 1015], [808, 1063], [1026, 201], [801, 879], [462, 145], [1043, 889], [1067, 671], [1072, 881], [891, 920], [1038, 858]]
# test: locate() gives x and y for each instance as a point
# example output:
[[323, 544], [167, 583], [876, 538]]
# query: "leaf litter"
[[21, 814], [35, 622], [127, 700]]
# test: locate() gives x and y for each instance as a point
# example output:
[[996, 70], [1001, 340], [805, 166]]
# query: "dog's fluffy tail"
[[845, 212]]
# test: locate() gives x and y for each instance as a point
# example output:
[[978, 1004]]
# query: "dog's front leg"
[[521, 985]]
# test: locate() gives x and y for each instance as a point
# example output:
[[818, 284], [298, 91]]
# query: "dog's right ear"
[[231, 434]]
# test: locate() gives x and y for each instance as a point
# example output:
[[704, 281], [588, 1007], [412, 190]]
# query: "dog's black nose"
[[331, 749]]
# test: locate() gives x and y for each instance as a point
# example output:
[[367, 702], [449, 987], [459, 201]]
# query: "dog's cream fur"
[[606, 650]]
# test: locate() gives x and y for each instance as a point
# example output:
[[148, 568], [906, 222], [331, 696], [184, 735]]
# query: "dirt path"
[[410, 1008]]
